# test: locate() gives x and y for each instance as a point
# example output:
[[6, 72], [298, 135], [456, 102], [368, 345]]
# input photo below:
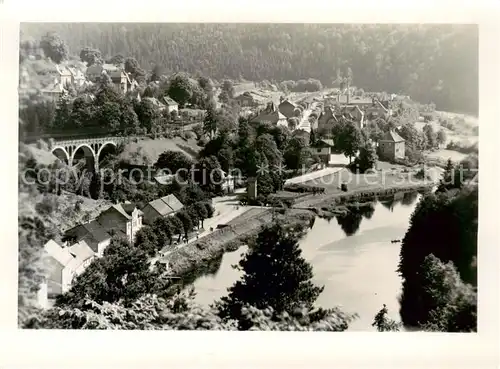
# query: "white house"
[[170, 104], [63, 264]]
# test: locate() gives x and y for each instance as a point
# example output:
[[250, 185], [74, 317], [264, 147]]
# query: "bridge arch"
[[61, 153], [88, 154], [104, 148]]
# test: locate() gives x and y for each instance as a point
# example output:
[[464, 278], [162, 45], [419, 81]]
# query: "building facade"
[[391, 146]]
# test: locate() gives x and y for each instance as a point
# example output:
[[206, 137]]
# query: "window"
[[319, 150]]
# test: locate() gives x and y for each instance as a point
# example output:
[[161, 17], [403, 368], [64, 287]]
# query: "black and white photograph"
[[248, 176]]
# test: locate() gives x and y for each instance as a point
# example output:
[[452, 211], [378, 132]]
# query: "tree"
[[228, 88], [452, 219], [384, 323], [122, 273], [62, 115], [175, 161], [208, 175], [293, 123], [147, 114], [431, 136], [201, 211], [151, 312], [275, 275], [451, 304], [349, 140], [33, 232], [441, 137], [117, 60], [54, 47], [90, 56], [210, 121], [296, 153], [367, 158], [267, 147], [162, 228], [156, 73], [186, 221], [206, 84], [181, 88], [135, 70]]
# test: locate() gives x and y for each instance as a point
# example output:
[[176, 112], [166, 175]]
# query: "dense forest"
[[431, 63]]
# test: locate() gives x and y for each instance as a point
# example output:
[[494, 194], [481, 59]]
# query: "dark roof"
[[327, 141], [93, 229], [392, 136], [173, 202], [169, 101], [166, 205]]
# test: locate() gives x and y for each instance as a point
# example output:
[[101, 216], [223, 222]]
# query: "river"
[[352, 257]]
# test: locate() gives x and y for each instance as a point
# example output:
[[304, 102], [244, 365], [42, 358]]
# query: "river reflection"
[[353, 258]]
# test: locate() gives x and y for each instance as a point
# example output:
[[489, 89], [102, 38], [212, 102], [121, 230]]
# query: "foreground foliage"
[[444, 225], [180, 313], [275, 275]]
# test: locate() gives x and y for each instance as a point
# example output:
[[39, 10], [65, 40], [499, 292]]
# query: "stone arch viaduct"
[[71, 150]]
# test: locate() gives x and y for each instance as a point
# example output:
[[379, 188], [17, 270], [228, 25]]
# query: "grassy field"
[[444, 155], [146, 152], [379, 179]]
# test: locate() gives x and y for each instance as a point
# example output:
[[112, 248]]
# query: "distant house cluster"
[[80, 245], [271, 115], [117, 74]]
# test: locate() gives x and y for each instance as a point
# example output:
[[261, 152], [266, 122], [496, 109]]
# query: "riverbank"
[[238, 232], [335, 201]]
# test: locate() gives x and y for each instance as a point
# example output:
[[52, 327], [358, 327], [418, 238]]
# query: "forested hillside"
[[431, 63]]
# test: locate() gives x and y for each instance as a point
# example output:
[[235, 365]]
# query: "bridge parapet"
[[89, 140]]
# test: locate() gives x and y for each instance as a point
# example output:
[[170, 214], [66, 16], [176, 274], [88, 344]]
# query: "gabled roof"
[[124, 209], [63, 71], [325, 141], [154, 101], [166, 205], [91, 230], [99, 68], [160, 207], [169, 101], [287, 102], [58, 253], [81, 251], [392, 136], [173, 202]]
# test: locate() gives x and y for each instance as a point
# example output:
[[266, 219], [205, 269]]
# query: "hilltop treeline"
[[431, 63]]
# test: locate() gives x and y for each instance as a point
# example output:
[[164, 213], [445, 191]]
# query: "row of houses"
[[66, 76], [82, 244]]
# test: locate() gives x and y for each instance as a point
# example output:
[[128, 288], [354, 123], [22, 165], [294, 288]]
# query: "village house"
[[77, 77], [92, 233], [124, 219], [228, 182], [391, 146], [171, 104], [118, 76], [64, 76], [327, 118], [163, 207], [353, 113], [54, 91], [159, 106], [246, 100], [323, 148], [63, 264], [271, 115], [287, 108], [378, 109]]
